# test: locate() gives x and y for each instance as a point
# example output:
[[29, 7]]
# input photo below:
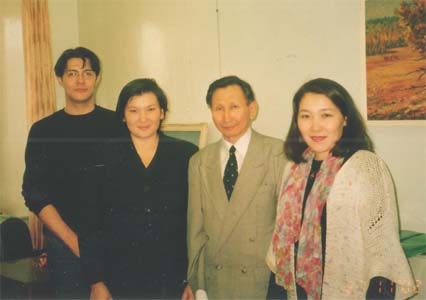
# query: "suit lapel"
[[213, 179], [248, 182]]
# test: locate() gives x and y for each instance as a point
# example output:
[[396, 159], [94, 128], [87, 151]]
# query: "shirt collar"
[[241, 145]]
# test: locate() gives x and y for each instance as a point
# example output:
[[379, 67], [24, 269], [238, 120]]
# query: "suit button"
[[148, 210], [244, 270], [218, 267], [207, 237], [251, 239]]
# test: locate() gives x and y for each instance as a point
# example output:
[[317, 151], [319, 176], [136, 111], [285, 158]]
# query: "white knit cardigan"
[[362, 238]]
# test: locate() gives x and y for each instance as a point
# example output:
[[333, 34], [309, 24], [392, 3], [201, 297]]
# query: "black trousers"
[[65, 270]]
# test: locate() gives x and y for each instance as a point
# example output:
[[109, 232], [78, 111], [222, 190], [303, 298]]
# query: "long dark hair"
[[354, 136]]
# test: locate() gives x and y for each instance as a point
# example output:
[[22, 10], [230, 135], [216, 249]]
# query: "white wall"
[[275, 45]]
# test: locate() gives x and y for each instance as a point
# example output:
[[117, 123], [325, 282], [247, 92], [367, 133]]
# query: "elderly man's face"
[[231, 112]]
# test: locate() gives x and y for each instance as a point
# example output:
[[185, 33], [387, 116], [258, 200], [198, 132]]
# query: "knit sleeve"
[[377, 204], [379, 225]]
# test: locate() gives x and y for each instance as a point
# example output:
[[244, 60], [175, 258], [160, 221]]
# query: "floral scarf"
[[288, 229]]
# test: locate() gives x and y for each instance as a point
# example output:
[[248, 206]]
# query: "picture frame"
[[195, 133], [395, 70]]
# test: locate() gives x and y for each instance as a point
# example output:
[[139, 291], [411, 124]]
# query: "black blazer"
[[137, 244]]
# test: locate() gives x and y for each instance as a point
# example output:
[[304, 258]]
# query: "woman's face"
[[321, 123], [142, 115]]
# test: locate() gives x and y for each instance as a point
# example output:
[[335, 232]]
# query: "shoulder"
[[273, 145], [105, 117], [206, 152], [103, 110], [47, 124], [364, 167], [365, 160], [107, 123], [104, 113]]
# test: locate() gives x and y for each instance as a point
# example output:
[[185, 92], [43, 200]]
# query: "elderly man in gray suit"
[[233, 188]]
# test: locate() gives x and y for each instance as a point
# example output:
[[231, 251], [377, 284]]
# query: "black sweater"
[[60, 149]]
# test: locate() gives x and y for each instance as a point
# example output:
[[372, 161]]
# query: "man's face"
[[231, 112], [78, 81]]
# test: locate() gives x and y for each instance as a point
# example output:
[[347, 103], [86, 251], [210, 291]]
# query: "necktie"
[[231, 173]]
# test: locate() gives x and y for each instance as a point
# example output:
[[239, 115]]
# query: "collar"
[[241, 145]]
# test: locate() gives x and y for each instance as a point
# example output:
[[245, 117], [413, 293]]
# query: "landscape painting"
[[396, 59]]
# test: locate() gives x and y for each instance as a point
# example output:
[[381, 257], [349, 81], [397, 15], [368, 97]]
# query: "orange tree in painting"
[[414, 17]]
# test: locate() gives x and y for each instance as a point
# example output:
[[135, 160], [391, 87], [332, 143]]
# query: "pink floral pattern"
[[288, 227]]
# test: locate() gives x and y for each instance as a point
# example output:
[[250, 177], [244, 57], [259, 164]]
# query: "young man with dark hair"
[[60, 149]]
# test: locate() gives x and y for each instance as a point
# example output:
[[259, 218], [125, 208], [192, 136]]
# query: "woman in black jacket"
[[138, 247]]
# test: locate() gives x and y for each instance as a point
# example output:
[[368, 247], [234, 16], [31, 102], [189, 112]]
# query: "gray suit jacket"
[[228, 240]]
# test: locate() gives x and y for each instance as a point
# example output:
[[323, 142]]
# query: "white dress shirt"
[[241, 147]]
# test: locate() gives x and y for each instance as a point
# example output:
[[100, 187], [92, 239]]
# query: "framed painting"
[[395, 47], [194, 133]]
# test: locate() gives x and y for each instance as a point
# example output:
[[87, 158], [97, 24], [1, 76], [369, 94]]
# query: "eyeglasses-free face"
[[320, 123], [143, 116], [231, 112]]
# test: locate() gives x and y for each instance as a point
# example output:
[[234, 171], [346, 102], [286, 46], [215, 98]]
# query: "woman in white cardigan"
[[336, 234]]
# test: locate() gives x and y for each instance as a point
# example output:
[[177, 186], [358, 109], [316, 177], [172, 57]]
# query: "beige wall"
[[64, 26], [174, 42], [12, 108], [275, 45]]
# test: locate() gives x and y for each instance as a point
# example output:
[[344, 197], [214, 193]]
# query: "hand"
[[53, 220], [99, 291], [187, 293]]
